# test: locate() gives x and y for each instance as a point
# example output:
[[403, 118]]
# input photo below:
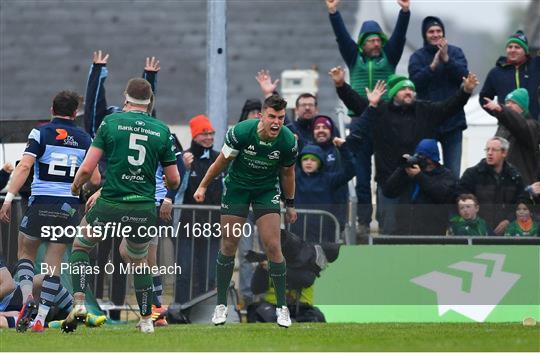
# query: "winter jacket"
[[497, 193], [315, 191], [398, 129], [442, 83], [523, 133], [351, 53], [505, 78], [424, 200]]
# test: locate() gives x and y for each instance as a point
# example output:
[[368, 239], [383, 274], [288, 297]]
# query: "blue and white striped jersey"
[[59, 148]]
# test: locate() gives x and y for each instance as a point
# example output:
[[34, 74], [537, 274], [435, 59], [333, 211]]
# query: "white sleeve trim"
[[229, 151], [35, 134], [29, 153]]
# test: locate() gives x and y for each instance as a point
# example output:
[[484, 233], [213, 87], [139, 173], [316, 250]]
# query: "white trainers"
[[220, 315], [283, 317], [145, 325]]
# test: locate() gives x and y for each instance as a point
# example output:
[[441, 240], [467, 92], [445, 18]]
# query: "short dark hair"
[[139, 88], [464, 197], [276, 102], [306, 95], [65, 103]]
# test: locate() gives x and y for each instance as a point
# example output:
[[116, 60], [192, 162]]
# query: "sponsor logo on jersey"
[[274, 155], [62, 134], [70, 141], [135, 172], [250, 150], [139, 123], [275, 199], [127, 218], [193, 174], [133, 178], [224, 206], [264, 143]]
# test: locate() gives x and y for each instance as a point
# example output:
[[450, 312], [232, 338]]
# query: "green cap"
[[519, 96], [396, 83], [520, 39]]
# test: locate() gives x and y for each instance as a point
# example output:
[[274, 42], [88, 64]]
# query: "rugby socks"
[[143, 292], [224, 271], [158, 290], [11, 321], [278, 274], [25, 273], [64, 300], [79, 262], [49, 291]]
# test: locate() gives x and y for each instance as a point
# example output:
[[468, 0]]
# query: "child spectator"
[[524, 225], [468, 223], [315, 188]]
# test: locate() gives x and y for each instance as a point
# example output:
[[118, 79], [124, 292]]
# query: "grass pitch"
[[269, 337]]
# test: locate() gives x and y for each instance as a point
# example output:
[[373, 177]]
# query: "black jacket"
[[202, 159], [497, 194], [523, 133], [425, 212], [397, 130]]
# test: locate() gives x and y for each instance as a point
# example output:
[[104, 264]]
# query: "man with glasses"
[[306, 109], [496, 184]]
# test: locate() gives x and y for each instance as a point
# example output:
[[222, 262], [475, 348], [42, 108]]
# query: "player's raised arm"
[[215, 169]]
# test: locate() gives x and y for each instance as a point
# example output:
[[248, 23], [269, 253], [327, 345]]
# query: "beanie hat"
[[327, 121], [396, 83], [314, 152], [520, 39], [429, 149], [519, 96], [200, 124], [431, 21]]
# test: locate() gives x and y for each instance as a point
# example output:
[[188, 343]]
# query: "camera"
[[415, 159]]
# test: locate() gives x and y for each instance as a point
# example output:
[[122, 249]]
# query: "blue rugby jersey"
[[59, 148]]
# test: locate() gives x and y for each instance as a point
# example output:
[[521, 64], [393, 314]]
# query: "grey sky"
[[484, 15]]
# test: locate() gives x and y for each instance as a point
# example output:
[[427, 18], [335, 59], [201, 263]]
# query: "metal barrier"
[[453, 240]]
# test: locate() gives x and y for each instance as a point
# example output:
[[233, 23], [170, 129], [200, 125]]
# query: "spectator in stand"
[[468, 223], [197, 159], [496, 184], [524, 224], [397, 126], [424, 189], [437, 70], [5, 172], [371, 58], [252, 108], [516, 70], [323, 136], [521, 130], [313, 190]]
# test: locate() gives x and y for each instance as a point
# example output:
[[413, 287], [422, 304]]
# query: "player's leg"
[[268, 220], [28, 246], [157, 310], [135, 253], [50, 286], [79, 265], [7, 285]]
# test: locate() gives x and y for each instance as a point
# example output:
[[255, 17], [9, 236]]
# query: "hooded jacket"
[[315, 191], [505, 78], [377, 68], [442, 83], [523, 133], [424, 200], [497, 193]]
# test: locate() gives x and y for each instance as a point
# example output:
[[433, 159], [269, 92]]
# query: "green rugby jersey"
[[133, 143], [257, 162]]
